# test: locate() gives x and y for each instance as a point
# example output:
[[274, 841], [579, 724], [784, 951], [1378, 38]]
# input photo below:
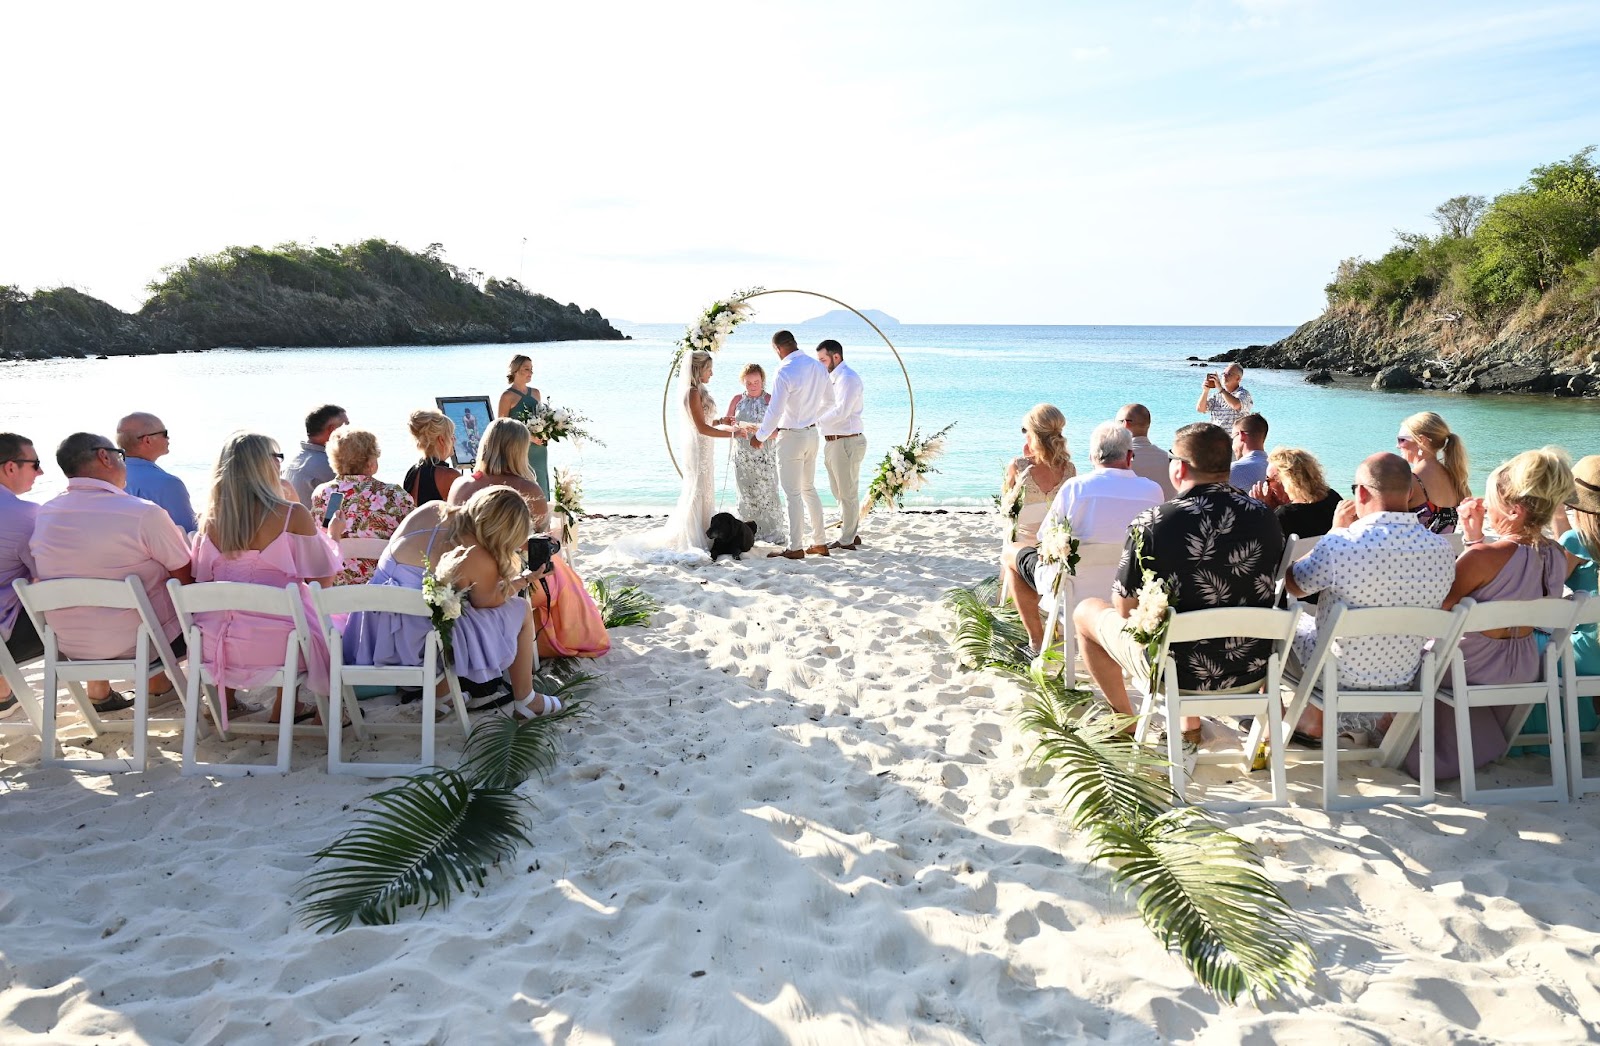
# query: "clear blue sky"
[[944, 161]]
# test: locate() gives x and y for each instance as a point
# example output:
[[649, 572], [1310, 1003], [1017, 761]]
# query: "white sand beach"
[[789, 818]]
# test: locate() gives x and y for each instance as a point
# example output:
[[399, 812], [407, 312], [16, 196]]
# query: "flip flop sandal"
[[524, 709]]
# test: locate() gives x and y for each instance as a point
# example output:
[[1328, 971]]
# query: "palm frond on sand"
[[622, 605]]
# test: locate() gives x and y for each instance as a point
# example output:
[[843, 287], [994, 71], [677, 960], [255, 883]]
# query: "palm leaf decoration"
[[418, 843], [622, 605], [504, 751], [1201, 891], [985, 636], [1198, 888]]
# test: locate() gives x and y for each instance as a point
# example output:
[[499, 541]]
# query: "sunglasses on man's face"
[[37, 467]]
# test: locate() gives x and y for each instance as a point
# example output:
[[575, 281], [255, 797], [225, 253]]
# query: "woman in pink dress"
[[371, 508], [251, 533]]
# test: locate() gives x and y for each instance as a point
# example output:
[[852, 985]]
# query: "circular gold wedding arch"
[[672, 372]]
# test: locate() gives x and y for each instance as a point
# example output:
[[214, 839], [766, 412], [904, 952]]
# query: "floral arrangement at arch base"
[[711, 329], [566, 502], [903, 468]]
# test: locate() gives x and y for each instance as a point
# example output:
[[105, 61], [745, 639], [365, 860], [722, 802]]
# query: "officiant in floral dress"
[[755, 470]]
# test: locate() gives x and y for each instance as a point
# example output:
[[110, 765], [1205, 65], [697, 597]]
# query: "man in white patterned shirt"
[[1383, 559], [1224, 399]]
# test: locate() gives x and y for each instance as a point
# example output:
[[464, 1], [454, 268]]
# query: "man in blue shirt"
[[1249, 452], [143, 439]]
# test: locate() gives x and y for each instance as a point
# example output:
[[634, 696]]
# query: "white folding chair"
[[1097, 567], [1458, 542], [1294, 547], [1321, 675], [1553, 615], [204, 688], [1573, 688], [343, 678], [16, 677], [1276, 626], [151, 654], [362, 548]]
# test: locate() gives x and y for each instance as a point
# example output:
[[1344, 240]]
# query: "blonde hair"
[[350, 450], [504, 450], [699, 360], [1300, 474], [244, 491], [430, 428], [752, 368], [495, 519], [1435, 437], [1046, 424], [516, 364], [1537, 480]]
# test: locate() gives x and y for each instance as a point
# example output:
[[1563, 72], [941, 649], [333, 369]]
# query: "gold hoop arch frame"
[[672, 372]]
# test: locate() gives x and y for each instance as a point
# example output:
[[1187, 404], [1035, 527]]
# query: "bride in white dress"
[[683, 539]]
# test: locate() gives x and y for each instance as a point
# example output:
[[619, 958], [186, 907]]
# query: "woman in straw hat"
[[1583, 541]]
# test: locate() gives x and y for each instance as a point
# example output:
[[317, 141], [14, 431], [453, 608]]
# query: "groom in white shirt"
[[844, 444], [801, 395]]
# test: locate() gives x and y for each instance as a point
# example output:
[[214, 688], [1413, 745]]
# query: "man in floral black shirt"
[[1214, 547]]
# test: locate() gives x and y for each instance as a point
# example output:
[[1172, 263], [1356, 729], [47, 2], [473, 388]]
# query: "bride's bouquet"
[[903, 468], [715, 324], [566, 502], [554, 424]]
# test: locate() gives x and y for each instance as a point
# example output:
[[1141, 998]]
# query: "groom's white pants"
[[797, 475], [843, 457]]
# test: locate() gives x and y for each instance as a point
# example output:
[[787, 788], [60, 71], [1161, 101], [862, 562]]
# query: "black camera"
[[541, 550]]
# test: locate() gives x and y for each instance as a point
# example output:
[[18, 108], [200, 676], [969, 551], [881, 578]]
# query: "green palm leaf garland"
[[1198, 888], [622, 605], [426, 839]]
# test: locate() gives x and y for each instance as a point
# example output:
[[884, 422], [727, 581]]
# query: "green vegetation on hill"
[[1491, 257], [370, 293]]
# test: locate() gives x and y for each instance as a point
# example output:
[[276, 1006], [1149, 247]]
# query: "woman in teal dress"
[[519, 374]]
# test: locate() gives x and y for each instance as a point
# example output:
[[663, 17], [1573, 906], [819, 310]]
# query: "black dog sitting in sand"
[[730, 535]]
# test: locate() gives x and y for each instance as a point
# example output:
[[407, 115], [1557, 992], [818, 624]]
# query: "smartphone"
[[334, 501]]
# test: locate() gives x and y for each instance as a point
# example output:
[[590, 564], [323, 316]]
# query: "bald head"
[[1135, 417], [1385, 479], [142, 435]]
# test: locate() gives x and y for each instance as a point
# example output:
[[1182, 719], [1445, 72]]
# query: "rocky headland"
[[371, 293]]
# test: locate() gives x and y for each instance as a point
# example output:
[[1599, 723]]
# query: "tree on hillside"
[[1459, 215]]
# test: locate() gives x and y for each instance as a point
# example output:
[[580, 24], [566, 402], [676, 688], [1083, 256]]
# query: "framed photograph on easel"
[[470, 415]]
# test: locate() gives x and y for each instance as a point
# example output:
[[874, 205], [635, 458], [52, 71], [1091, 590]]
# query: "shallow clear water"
[[985, 378]]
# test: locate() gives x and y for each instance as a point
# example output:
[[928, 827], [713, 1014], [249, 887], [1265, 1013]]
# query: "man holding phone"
[[1224, 399]]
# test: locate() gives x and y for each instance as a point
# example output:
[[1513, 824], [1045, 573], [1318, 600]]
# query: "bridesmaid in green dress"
[[519, 374]]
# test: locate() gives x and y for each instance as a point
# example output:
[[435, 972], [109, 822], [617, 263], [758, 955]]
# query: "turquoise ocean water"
[[984, 378]]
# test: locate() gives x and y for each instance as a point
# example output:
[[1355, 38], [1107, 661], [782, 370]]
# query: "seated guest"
[[1099, 506], [474, 548], [250, 533], [570, 625], [143, 439], [1581, 540], [1521, 563], [1384, 559], [1439, 462], [1296, 492], [1149, 460], [370, 507], [503, 462], [95, 529], [431, 478], [1249, 458], [19, 467], [1213, 546], [309, 468], [1044, 465]]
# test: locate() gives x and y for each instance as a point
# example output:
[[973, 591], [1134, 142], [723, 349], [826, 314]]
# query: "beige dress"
[[1035, 500]]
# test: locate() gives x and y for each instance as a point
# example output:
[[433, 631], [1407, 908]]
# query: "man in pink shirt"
[[97, 530]]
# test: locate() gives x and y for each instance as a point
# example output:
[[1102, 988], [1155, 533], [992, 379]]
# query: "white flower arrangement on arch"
[[711, 329]]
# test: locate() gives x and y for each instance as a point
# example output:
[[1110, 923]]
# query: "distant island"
[[293, 296], [1506, 298], [839, 316]]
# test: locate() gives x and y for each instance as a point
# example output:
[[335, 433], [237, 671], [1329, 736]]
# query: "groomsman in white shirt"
[[801, 395], [844, 444]]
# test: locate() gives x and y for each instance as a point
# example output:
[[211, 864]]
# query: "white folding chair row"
[[1294, 547], [1552, 615], [1320, 676], [343, 678], [16, 677], [1575, 688], [151, 655], [1275, 626], [217, 597], [1097, 567]]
